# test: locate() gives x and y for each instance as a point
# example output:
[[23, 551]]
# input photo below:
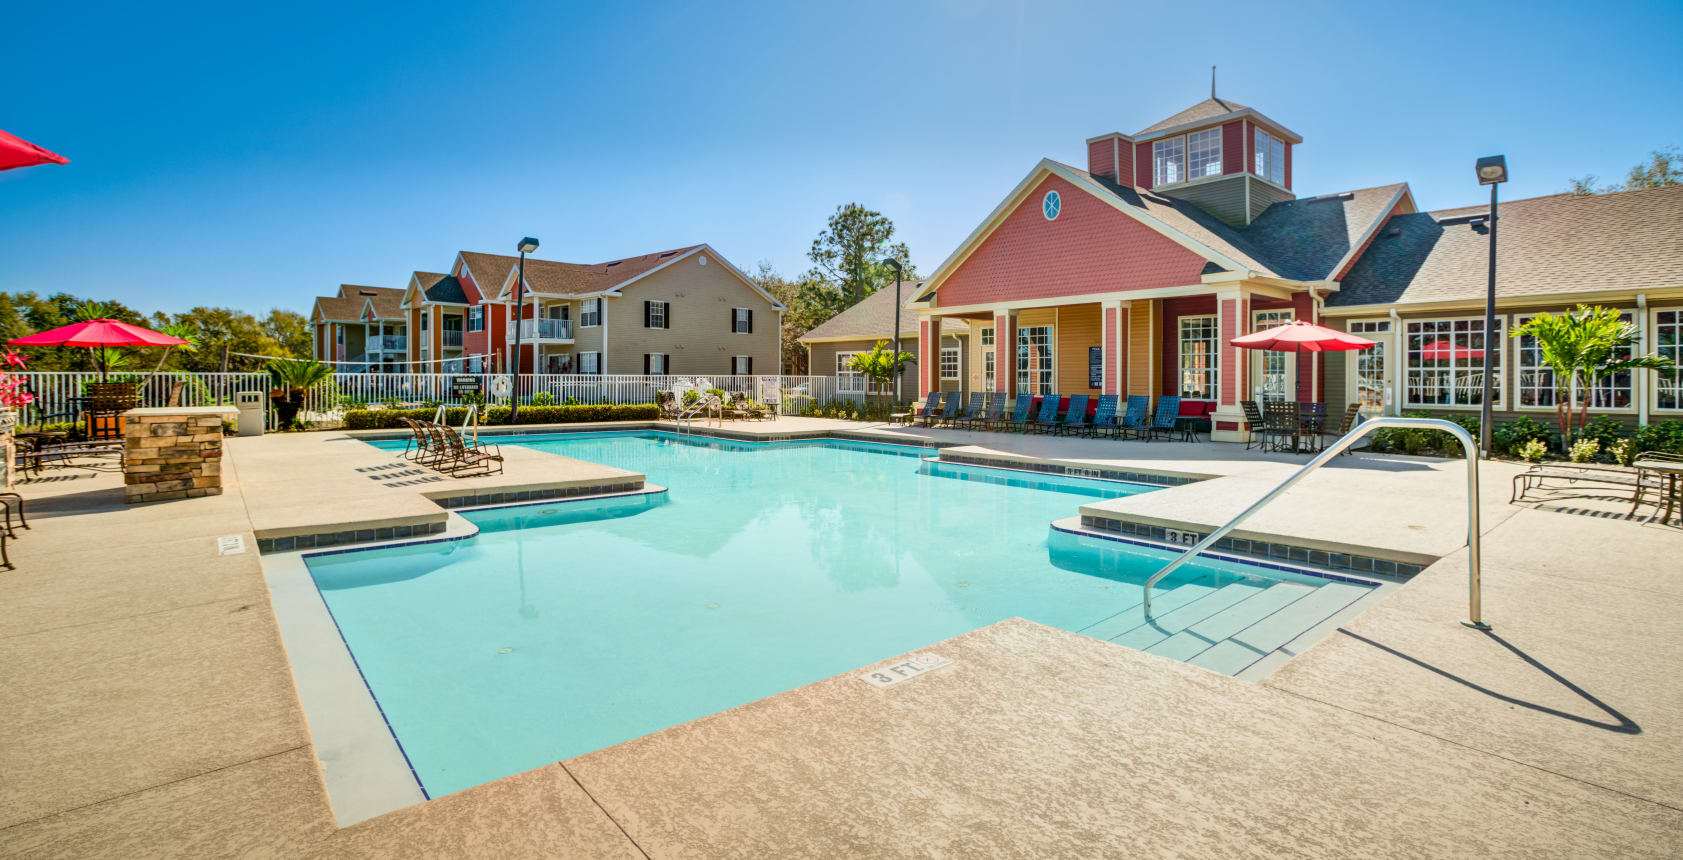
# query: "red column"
[[1303, 308], [924, 355], [1004, 349], [1229, 328]]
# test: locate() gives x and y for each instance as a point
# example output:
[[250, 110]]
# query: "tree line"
[[211, 331]]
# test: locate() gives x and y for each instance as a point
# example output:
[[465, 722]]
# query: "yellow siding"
[[1141, 357], [1078, 330]]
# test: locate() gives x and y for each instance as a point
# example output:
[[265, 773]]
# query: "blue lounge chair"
[[949, 409], [1167, 418], [931, 409], [996, 405], [1076, 420], [1049, 418], [1136, 417], [971, 411], [1018, 420], [1105, 421]]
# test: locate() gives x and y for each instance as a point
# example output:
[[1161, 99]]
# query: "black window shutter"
[[645, 361], [668, 314], [750, 320], [750, 370], [731, 312], [646, 314]]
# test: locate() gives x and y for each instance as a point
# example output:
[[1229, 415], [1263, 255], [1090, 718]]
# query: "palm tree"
[[292, 379], [1582, 347], [879, 366]]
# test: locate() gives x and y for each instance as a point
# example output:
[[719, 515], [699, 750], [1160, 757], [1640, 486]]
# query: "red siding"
[[1142, 165], [1125, 151], [1173, 310], [1089, 248], [1303, 308], [1288, 166], [470, 287], [1233, 147], [924, 352], [1228, 326], [1249, 135], [1101, 157]]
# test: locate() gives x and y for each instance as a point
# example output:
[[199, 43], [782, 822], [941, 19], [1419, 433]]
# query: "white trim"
[[1215, 354], [1015, 198], [1352, 378], [1220, 119], [1503, 391], [958, 362]]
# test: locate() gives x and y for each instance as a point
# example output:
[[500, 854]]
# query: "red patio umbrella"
[[1301, 337], [1443, 349], [17, 152], [98, 333]]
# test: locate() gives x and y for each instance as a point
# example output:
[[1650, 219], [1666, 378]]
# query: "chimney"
[[1112, 157]]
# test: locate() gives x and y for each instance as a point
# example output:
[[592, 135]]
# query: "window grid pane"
[[1169, 158], [1668, 342], [1371, 383], [1446, 362], [1034, 360], [1204, 153], [1199, 358]]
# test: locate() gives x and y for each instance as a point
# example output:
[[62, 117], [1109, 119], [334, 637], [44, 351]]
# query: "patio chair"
[[1281, 424], [9, 501], [1351, 413], [1136, 418], [1076, 420], [989, 416], [931, 410], [738, 407], [32, 455], [460, 459], [1049, 418], [1253, 421], [951, 408], [1018, 420], [1105, 420], [1167, 419], [972, 410], [668, 403]]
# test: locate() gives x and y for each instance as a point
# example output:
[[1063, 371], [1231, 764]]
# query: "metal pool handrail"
[[1468, 448]]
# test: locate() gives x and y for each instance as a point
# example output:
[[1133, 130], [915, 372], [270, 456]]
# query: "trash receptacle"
[[251, 406]]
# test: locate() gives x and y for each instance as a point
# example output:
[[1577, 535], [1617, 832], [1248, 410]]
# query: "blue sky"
[[232, 155]]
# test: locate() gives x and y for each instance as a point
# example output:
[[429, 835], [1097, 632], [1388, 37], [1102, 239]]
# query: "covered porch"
[[1173, 342]]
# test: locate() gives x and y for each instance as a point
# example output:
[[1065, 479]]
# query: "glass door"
[[1370, 383], [1034, 359], [1273, 373]]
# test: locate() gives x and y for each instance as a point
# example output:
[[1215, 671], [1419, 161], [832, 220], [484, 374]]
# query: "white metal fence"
[[57, 392]]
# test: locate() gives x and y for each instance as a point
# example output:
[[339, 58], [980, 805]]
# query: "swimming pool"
[[566, 627]]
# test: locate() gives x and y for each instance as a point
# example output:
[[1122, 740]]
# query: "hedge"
[[387, 419]]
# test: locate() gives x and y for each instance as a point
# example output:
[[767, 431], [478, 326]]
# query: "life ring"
[[500, 386]]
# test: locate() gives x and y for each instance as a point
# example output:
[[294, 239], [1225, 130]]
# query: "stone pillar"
[[173, 453], [1227, 425]]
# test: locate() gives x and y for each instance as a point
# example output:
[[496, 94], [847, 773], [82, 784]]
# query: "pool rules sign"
[[912, 667]]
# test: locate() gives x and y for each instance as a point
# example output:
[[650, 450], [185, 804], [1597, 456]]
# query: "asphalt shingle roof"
[[1203, 110], [439, 287], [336, 308], [871, 317], [1556, 244], [565, 279], [388, 301]]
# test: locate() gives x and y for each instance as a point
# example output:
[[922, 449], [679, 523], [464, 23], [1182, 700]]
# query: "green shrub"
[[387, 419], [543, 398], [1666, 436], [1605, 430], [1624, 452], [1509, 438], [1533, 450], [1432, 443], [1584, 450]]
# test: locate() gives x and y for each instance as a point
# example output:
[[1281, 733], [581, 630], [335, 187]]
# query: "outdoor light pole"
[[1492, 171], [896, 317], [527, 245]]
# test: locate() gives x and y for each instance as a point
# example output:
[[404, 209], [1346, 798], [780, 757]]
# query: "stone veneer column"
[[173, 453]]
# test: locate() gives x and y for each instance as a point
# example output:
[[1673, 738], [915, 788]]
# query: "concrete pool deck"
[[151, 710]]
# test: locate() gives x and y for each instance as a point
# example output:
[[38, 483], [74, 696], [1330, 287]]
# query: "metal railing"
[[388, 343], [55, 391], [544, 328], [1469, 447], [450, 338]]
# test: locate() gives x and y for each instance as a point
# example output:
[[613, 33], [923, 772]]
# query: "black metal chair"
[[1253, 419]]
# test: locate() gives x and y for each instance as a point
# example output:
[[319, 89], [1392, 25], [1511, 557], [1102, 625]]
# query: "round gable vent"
[[1051, 204]]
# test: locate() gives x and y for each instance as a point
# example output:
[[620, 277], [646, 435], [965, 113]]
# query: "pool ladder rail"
[[709, 407], [1469, 448]]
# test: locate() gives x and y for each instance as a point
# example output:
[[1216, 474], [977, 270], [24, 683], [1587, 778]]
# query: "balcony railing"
[[545, 329], [452, 338], [388, 343]]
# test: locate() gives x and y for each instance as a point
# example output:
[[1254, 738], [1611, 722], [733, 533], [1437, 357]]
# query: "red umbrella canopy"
[[1299, 336], [96, 333], [17, 152], [1443, 350]]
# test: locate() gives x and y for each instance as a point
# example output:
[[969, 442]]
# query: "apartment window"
[[988, 377], [656, 363], [1272, 368], [1200, 371], [590, 362], [1270, 157], [987, 336], [741, 365], [476, 319], [741, 321], [1371, 382], [1168, 158], [424, 316], [1034, 359], [1203, 153], [949, 362], [1535, 384], [590, 315], [1445, 362], [1668, 342], [654, 315], [339, 335]]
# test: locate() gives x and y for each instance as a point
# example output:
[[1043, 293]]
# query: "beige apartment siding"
[[700, 340], [1078, 330], [822, 360], [1142, 321]]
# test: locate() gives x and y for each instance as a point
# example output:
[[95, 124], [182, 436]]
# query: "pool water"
[[566, 627]]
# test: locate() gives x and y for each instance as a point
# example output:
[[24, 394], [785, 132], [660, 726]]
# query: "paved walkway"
[[150, 711]]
